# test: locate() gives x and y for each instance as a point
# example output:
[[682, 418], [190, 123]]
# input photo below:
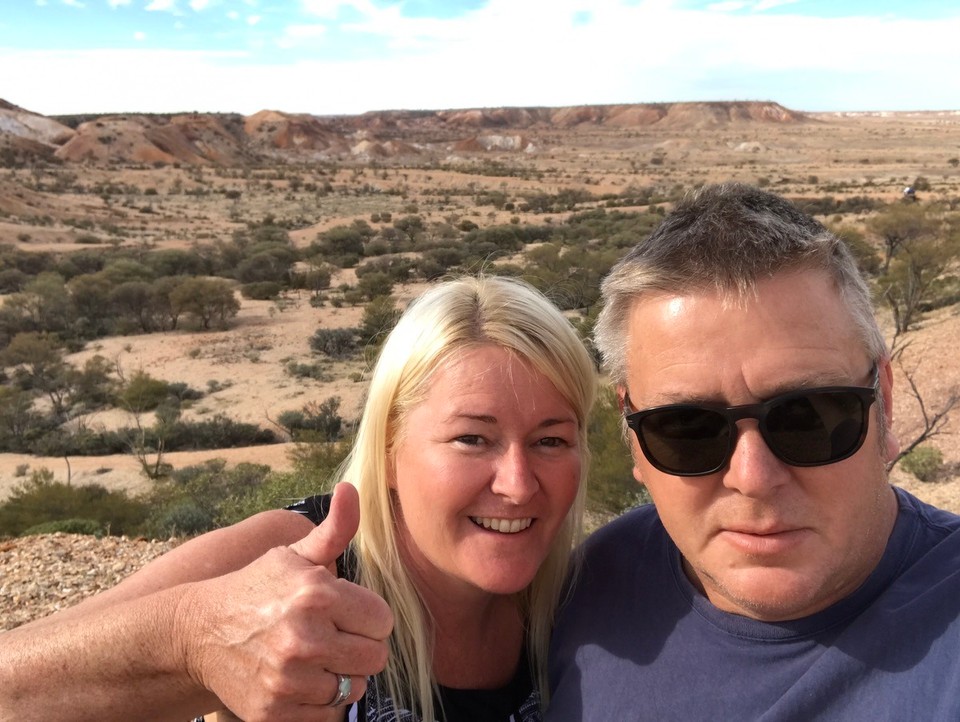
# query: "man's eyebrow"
[[815, 380]]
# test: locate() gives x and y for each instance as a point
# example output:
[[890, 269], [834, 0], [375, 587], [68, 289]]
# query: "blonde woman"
[[467, 478]]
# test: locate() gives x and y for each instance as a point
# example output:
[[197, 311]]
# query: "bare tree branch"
[[933, 421]]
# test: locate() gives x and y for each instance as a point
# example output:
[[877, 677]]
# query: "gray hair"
[[727, 237]]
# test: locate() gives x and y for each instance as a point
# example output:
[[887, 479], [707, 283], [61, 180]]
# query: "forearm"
[[130, 662]]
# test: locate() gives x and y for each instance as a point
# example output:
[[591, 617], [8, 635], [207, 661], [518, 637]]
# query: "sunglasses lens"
[[685, 440], [816, 428]]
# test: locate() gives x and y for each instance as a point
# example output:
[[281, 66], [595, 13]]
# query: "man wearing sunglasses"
[[778, 575]]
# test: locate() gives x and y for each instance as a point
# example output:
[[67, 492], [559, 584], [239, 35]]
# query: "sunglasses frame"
[[867, 395]]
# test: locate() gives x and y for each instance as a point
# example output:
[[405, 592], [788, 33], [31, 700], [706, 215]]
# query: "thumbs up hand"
[[284, 631]]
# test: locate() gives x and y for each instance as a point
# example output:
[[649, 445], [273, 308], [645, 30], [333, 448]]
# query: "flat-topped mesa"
[[230, 139]]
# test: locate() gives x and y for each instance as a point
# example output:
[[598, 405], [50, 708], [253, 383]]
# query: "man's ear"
[[891, 444], [621, 395]]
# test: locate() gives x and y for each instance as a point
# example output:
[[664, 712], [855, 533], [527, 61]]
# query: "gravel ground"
[[42, 574]]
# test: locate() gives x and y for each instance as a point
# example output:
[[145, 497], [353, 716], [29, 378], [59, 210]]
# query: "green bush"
[[143, 393], [261, 290], [322, 419], [924, 462], [190, 500], [314, 467], [183, 518], [336, 343], [316, 371], [66, 526], [42, 499]]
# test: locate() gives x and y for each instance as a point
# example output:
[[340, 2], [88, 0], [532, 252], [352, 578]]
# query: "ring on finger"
[[344, 684]]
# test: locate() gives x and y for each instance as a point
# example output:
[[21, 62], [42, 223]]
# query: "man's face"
[[759, 537]]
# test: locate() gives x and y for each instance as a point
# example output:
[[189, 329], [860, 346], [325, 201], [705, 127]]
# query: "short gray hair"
[[727, 237]]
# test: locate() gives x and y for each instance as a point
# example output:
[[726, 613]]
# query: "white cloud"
[[727, 7], [294, 35], [253, 20], [198, 5], [41, 3], [511, 53], [139, 36], [769, 4], [161, 5], [74, 3], [117, 3], [233, 15], [329, 9]]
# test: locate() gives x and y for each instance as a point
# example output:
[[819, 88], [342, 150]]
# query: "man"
[[778, 575]]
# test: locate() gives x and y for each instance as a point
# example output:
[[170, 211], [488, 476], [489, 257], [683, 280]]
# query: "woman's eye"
[[552, 441], [469, 439]]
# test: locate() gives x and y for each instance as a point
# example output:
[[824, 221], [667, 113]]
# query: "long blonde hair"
[[447, 318]]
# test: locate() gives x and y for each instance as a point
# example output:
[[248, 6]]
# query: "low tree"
[[38, 360], [903, 224], [208, 300]]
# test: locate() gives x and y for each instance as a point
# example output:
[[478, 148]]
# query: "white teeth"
[[504, 526]]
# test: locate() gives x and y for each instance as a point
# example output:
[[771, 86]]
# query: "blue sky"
[[350, 56]]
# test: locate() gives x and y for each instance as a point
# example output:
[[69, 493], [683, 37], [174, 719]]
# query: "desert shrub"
[[322, 420], [315, 371], [66, 526], [183, 392], [183, 518], [12, 280], [315, 279], [271, 264], [924, 462], [41, 499], [379, 318], [314, 467], [178, 262], [189, 501], [219, 432], [336, 343], [143, 393], [261, 290], [340, 245], [375, 284]]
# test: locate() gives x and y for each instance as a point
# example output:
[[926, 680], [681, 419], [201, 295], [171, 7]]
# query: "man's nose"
[[514, 477], [753, 469]]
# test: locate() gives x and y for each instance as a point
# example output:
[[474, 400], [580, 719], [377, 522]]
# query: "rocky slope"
[[226, 139]]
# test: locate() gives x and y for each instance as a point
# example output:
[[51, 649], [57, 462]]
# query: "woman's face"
[[486, 468]]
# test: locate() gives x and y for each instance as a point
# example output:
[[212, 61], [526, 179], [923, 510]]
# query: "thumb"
[[324, 544]]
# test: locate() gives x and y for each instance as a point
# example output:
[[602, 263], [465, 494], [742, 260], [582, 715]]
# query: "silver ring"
[[343, 690]]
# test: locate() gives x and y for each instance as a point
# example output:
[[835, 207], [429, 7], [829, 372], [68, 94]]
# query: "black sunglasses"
[[809, 427]]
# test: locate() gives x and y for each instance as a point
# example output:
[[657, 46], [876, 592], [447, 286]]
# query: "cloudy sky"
[[350, 56]]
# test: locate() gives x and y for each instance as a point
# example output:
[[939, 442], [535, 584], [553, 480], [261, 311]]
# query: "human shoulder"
[[615, 549], [935, 519], [634, 525]]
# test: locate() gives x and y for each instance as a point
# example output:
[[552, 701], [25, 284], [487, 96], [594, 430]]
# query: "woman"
[[474, 370], [469, 462]]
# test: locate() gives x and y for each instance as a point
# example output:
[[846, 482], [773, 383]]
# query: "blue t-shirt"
[[637, 641]]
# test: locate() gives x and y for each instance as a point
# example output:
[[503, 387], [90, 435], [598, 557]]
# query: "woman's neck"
[[478, 647]]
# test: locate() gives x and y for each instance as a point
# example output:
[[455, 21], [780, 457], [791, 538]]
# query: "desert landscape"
[[511, 189]]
